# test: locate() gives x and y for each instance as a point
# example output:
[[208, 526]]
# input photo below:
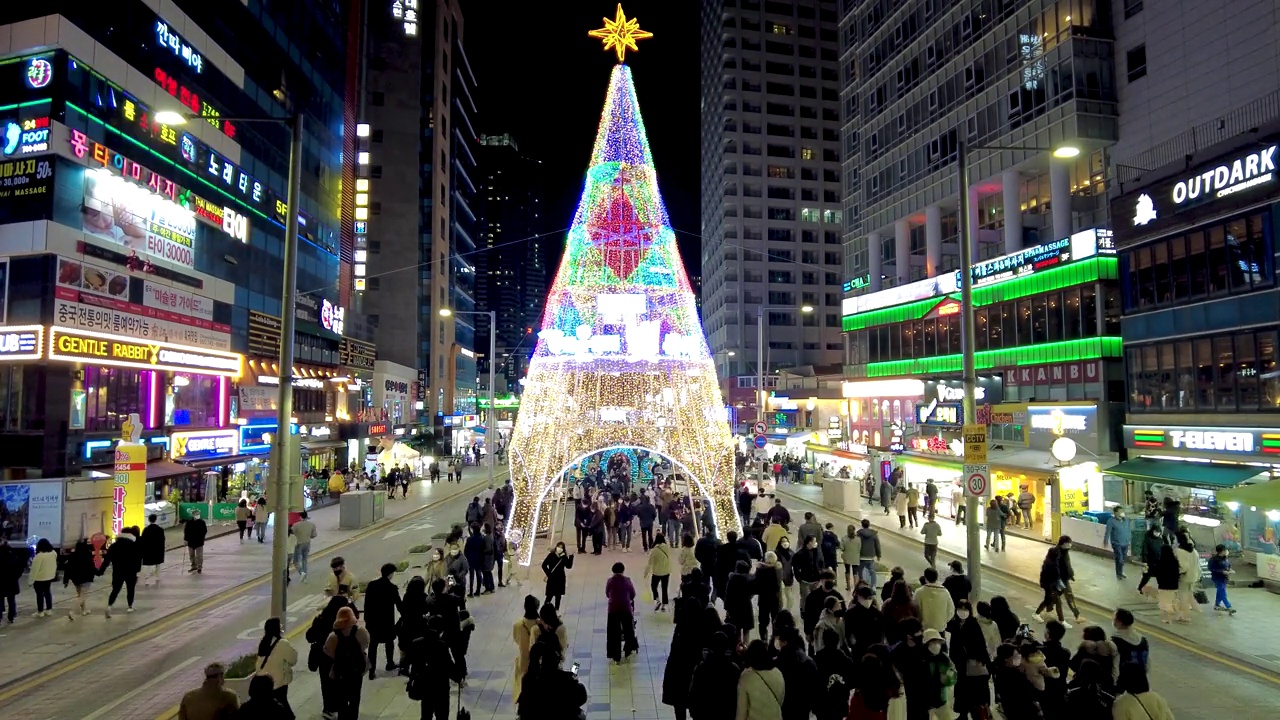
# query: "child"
[[1034, 666], [1219, 569]]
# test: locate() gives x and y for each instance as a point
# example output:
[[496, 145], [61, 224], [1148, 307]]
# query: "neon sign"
[[332, 317], [29, 136], [407, 11], [123, 166], [180, 48], [39, 73], [191, 99], [220, 216]]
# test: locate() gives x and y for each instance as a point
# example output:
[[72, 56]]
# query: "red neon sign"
[[117, 510], [123, 166], [191, 99]]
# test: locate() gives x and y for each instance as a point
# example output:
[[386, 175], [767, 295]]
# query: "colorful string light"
[[621, 360]]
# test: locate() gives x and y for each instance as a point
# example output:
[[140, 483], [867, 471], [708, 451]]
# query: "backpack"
[[349, 658], [1138, 653]]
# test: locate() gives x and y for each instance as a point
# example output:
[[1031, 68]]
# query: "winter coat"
[[913, 497], [959, 587], [44, 566], [123, 556], [243, 513], [836, 674], [1050, 575], [900, 502], [458, 568], [760, 695], [151, 544], [554, 567], [687, 643], [79, 569], [830, 549], [194, 533], [279, 664], [814, 604], [768, 587], [1016, 695], [473, 550], [936, 606], [1189, 564], [1168, 571], [488, 552], [1151, 545], [772, 536], [13, 562], [659, 562], [863, 627], [1026, 500], [807, 564], [808, 530], [688, 561], [646, 513], [785, 556], [737, 601], [1103, 652], [850, 549], [1143, 706], [1064, 565], [474, 513], [870, 544], [381, 603], [713, 691], [800, 676]]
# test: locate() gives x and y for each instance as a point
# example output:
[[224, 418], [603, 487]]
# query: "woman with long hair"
[[878, 692], [1189, 577], [550, 630], [276, 658], [413, 620], [317, 660], [897, 608]]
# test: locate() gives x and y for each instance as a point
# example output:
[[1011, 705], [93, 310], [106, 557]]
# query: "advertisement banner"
[[130, 487], [33, 510], [178, 302], [104, 316], [26, 188]]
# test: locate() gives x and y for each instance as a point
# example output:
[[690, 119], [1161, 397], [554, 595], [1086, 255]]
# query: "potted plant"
[[418, 555], [239, 673], [402, 569]]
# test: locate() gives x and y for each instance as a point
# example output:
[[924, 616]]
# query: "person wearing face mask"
[[1014, 693], [554, 566], [1117, 536], [957, 583], [869, 553], [799, 675], [938, 677], [972, 660], [341, 581], [807, 564], [458, 570], [908, 656], [785, 555]]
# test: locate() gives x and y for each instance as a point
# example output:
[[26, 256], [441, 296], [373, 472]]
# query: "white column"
[[874, 256], [1012, 212], [1060, 199], [933, 239], [902, 248]]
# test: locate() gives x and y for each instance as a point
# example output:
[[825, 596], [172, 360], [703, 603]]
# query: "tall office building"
[[771, 215], [923, 77], [512, 274], [144, 259], [418, 106]]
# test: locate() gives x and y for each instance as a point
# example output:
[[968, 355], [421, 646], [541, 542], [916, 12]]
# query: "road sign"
[[975, 444], [977, 480], [761, 428], [760, 441], [761, 453]]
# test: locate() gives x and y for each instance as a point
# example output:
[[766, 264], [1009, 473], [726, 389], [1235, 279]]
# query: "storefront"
[[218, 455], [1207, 469], [394, 392]]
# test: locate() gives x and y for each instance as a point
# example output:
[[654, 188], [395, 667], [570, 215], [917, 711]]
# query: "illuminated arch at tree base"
[[570, 411]]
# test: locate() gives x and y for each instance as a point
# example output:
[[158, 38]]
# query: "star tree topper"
[[621, 34]]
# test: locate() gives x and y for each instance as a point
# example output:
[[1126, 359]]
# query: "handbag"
[[313, 657]]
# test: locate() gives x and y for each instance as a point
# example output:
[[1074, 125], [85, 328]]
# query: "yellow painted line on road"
[[1152, 631], [43, 677]]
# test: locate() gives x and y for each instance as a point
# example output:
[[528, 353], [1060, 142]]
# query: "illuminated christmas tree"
[[621, 360]]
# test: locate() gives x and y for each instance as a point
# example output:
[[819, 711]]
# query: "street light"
[[491, 430], [968, 336], [760, 394], [279, 481]]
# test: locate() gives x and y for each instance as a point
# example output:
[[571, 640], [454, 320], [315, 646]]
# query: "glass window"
[[1147, 390], [1146, 277], [111, 394], [1053, 318], [1203, 349], [1039, 319], [1246, 371], [1224, 373], [930, 339], [1199, 270], [1179, 272], [1071, 313], [1268, 371], [1186, 376], [1023, 336], [953, 335], [1007, 334], [1160, 269], [1133, 367], [917, 343], [1217, 260]]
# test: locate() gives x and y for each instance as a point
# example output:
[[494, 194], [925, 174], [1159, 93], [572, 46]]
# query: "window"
[[809, 215], [1230, 258], [831, 217], [1136, 62], [1131, 8], [1227, 372], [806, 153], [781, 172]]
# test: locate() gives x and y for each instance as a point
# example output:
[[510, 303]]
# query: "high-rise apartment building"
[[771, 211], [418, 105], [512, 275], [924, 77]]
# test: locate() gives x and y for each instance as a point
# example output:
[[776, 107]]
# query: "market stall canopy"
[[1214, 476], [160, 469], [1265, 495], [397, 452]]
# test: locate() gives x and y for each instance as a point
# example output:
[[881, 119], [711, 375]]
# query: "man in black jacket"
[[582, 522], [381, 603], [193, 534], [646, 513], [799, 675], [433, 668], [727, 557], [816, 601], [126, 562]]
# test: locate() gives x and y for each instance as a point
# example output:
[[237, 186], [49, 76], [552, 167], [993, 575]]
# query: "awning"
[[229, 460], [161, 469], [1264, 495], [1214, 476]]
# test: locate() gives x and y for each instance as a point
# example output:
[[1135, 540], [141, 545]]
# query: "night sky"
[[542, 79]]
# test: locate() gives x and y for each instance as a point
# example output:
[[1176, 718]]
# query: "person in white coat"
[[276, 658], [1189, 580], [44, 568], [761, 688], [935, 603]]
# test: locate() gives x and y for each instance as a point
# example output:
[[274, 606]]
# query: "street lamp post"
[[760, 393], [278, 486], [968, 338], [492, 430]]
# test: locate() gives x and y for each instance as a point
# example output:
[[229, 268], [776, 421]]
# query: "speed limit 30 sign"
[[977, 480]]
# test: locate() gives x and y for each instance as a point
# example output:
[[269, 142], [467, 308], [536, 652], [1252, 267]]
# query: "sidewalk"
[[1251, 637], [32, 645]]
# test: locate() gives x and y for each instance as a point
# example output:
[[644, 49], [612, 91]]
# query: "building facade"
[[924, 79], [511, 270], [144, 260], [420, 250], [771, 213]]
